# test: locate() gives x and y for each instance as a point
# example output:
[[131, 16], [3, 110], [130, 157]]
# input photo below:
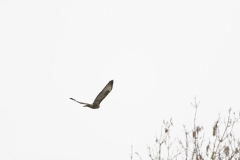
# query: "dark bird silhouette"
[[96, 104]]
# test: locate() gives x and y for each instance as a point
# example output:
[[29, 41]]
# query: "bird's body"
[[96, 104]]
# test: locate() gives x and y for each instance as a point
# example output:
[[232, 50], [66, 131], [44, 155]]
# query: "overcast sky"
[[160, 55]]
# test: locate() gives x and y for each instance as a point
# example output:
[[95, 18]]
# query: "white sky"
[[160, 55]]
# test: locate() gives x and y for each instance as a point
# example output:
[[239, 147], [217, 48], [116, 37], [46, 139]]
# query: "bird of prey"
[[96, 104]]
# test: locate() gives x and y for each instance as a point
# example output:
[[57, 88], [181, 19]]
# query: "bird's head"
[[93, 106], [88, 105]]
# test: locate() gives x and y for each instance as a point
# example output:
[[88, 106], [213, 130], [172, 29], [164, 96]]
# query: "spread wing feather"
[[78, 101], [106, 90]]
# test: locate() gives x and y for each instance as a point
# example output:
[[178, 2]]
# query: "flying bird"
[[96, 104]]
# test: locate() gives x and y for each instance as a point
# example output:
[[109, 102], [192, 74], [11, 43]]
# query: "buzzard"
[[96, 104]]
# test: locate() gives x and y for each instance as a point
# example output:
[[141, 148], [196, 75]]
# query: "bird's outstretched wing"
[[78, 101], [106, 90]]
